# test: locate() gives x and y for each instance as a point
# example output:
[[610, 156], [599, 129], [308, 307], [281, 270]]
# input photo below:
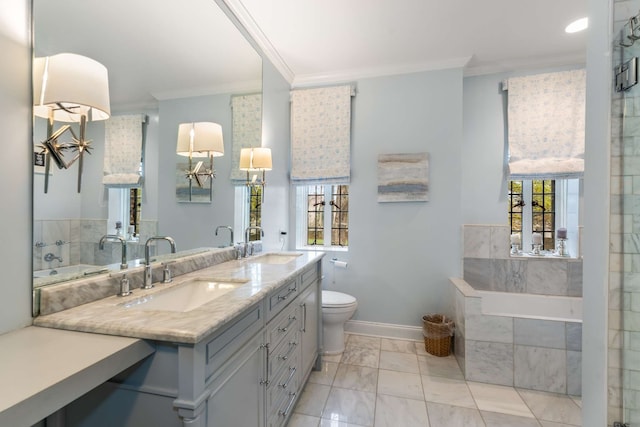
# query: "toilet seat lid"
[[336, 299]]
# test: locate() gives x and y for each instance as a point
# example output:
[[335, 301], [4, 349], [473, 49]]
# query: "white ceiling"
[[168, 49], [337, 39]]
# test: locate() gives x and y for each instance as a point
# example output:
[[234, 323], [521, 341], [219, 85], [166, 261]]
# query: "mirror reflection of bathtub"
[[67, 272], [78, 271]]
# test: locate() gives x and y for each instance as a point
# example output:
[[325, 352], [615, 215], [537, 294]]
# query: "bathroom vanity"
[[239, 359]]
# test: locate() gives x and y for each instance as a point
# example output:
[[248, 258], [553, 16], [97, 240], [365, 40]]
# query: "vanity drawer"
[[281, 356], [228, 342], [308, 277], [282, 394], [282, 297], [285, 324]]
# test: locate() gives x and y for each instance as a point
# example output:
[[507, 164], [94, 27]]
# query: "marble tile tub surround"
[[488, 266], [111, 316], [70, 294], [532, 354]]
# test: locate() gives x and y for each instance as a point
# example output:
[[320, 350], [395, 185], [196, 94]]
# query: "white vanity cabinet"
[[249, 373]]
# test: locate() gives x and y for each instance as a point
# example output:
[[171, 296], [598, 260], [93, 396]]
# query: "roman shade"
[[123, 145], [321, 135], [546, 121], [246, 130]]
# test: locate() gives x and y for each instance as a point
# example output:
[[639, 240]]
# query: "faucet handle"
[[166, 272], [124, 286], [239, 247]]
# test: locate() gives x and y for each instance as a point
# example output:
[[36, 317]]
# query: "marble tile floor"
[[379, 382]]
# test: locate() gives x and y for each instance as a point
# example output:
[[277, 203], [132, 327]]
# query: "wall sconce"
[[69, 88], [199, 140], [256, 159]]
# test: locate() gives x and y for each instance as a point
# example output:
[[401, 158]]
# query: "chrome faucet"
[[229, 228], [246, 239], [148, 279], [123, 244]]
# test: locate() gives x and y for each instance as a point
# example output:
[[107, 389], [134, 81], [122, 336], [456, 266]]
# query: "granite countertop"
[[110, 316]]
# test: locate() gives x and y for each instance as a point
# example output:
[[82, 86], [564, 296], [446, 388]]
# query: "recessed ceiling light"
[[577, 25]]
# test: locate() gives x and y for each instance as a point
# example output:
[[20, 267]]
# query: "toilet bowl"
[[337, 308]]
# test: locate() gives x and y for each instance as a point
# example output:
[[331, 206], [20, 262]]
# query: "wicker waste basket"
[[438, 332]]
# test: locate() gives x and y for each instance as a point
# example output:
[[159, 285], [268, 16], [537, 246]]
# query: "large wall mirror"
[[167, 63]]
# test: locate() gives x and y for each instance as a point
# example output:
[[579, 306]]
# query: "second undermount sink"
[[275, 258], [186, 296]]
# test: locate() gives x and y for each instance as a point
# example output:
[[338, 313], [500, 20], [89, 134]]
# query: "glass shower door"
[[624, 286]]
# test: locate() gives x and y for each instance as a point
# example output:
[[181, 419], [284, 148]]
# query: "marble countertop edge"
[[109, 315]]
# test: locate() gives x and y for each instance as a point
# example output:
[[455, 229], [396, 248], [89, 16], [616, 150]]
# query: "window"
[[135, 204], [247, 211], [543, 206], [125, 206], [255, 211], [313, 208]]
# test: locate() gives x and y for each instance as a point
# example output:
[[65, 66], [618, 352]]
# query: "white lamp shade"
[[245, 159], [78, 83], [200, 139], [257, 158], [261, 158]]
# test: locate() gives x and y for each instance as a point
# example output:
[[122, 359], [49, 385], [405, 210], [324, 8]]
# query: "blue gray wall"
[[15, 173], [402, 254], [193, 224]]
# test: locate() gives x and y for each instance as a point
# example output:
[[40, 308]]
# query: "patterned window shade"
[[546, 120], [246, 130], [321, 135], [123, 145]]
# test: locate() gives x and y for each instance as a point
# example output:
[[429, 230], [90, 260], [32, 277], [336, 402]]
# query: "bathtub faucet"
[[50, 257]]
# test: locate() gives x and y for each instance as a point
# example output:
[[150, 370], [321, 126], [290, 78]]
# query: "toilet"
[[337, 308]]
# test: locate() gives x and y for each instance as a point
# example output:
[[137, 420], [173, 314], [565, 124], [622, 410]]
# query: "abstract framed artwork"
[[403, 177]]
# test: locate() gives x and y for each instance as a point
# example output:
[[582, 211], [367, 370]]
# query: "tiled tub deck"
[[540, 351]]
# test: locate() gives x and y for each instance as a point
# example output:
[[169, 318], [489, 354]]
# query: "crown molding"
[[248, 86], [241, 17], [303, 80], [525, 64]]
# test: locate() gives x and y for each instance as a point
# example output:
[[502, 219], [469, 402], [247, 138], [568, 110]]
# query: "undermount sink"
[[186, 296], [274, 258]]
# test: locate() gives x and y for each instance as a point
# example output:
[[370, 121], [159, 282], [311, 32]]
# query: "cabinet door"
[[310, 310], [239, 399]]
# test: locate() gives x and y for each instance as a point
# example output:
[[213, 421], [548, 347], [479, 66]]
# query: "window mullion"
[[328, 218], [527, 210]]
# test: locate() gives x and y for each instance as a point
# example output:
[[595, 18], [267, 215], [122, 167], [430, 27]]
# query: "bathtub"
[[520, 340], [531, 306]]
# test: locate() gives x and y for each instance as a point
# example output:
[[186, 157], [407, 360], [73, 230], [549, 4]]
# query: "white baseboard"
[[384, 330]]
